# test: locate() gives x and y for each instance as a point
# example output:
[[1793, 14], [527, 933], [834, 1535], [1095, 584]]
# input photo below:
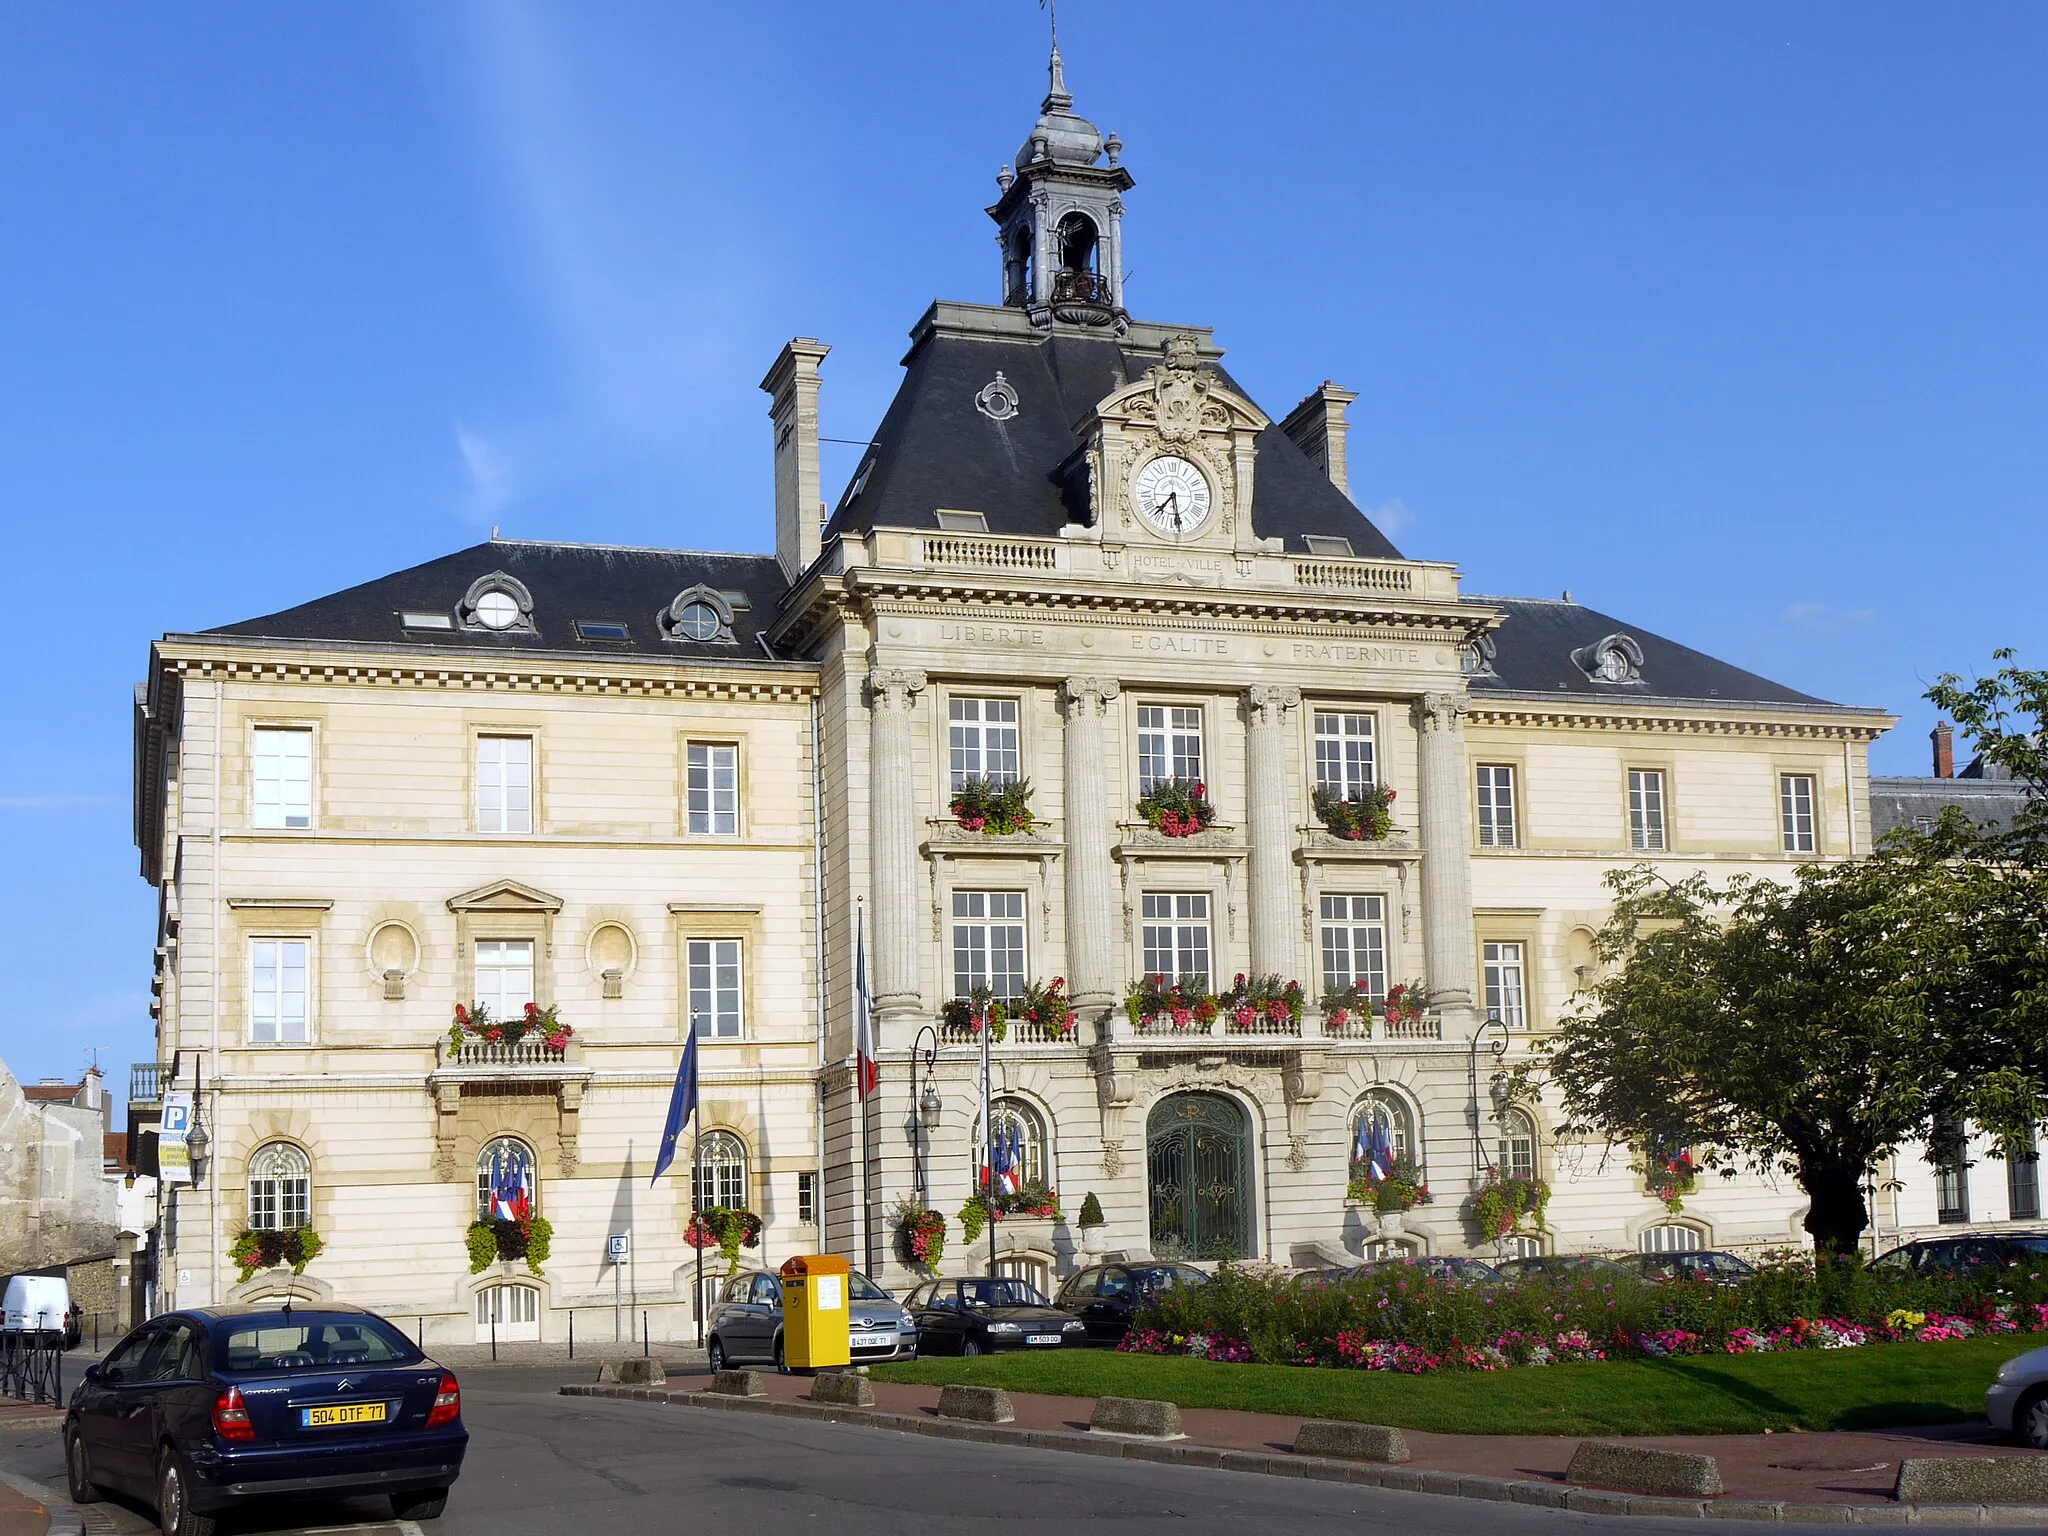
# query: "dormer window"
[[1327, 546], [702, 614], [499, 603], [1616, 659]]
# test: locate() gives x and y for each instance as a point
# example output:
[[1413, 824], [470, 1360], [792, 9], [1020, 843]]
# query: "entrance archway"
[[1198, 1161]]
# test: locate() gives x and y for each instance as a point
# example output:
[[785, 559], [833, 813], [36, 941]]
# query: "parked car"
[[982, 1315], [746, 1322], [1563, 1266], [1440, 1267], [205, 1410], [1966, 1250], [39, 1305], [2017, 1403], [1104, 1296], [1690, 1264]]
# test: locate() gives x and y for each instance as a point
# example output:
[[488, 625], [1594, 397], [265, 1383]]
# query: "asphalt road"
[[544, 1465]]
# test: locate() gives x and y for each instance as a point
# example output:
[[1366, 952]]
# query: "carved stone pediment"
[[505, 896]]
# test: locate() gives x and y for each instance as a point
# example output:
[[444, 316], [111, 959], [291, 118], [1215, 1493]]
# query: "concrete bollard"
[[984, 1405], [633, 1371], [1139, 1417], [1350, 1442], [738, 1384], [1973, 1480], [1639, 1469], [842, 1389]]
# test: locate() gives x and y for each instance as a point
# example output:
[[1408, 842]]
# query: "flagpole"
[[988, 1133], [696, 1179]]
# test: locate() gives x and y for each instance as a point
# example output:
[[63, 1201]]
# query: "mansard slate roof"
[[936, 450], [567, 582], [1533, 654]]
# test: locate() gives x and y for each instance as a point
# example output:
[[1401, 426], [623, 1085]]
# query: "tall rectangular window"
[[504, 783], [715, 988], [2023, 1182], [1504, 992], [1355, 943], [988, 943], [981, 736], [1496, 805], [1176, 935], [1169, 744], [277, 991], [1345, 762], [714, 788], [1950, 1153], [807, 1199], [284, 777], [1795, 811], [504, 976], [1645, 808]]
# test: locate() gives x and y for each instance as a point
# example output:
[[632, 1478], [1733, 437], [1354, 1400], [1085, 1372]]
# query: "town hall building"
[[1093, 696]]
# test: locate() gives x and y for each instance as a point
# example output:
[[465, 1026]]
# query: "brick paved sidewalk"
[[21, 1515], [1821, 1468]]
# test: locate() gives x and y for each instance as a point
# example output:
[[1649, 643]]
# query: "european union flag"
[[681, 1105]]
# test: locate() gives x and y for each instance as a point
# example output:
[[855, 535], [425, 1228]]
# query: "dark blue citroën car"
[[202, 1410]]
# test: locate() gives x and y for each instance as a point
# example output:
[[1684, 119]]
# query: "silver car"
[[2017, 1403], [746, 1322]]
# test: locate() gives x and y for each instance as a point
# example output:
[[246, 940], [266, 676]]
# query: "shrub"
[[1091, 1210]]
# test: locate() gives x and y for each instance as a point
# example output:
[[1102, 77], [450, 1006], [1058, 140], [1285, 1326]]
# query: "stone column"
[[1446, 853], [892, 821], [1093, 923], [1271, 827]]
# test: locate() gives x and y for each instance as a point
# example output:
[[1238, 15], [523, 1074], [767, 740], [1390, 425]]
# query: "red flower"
[[1392, 796], [531, 1010], [461, 1014]]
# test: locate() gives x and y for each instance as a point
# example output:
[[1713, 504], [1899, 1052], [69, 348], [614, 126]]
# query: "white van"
[[36, 1304]]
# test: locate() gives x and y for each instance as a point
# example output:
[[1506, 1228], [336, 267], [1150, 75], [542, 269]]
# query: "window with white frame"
[[721, 1177], [988, 943], [714, 788], [504, 784], [283, 776], [1504, 992], [1383, 1120], [1176, 934], [807, 1199], [504, 976], [1523, 1247], [2023, 1180], [714, 984], [277, 991], [1646, 808], [1795, 811], [1346, 762], [1169, 744], [981, 737], [280, 1188], [1355, 943], [1496, 805], [1517, 1144], [1950, 1152], [1669, 1238]]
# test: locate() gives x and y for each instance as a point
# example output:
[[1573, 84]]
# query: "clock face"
[[1172, 495]]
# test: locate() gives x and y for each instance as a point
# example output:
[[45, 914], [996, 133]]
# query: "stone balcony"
[[530, 1068]]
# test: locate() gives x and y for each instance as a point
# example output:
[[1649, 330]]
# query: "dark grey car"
[[746, 1322]]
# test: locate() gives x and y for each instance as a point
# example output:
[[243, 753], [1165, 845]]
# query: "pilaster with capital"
[[1271, 829], [892, 820], [1092, 918], [1447, 851]]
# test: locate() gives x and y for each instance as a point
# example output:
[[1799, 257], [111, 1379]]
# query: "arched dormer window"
[[1616, 659], [497, 603], [701, 614]]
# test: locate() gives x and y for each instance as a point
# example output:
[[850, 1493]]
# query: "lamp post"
[[1492, 1027], [925, 1104], [196, 1143]]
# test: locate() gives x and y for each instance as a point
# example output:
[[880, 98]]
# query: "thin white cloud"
[[1392, 517], [491, 479], [1824, 619], [54, 802]]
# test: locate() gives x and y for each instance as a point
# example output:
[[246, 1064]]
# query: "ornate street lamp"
[[926, 1105]]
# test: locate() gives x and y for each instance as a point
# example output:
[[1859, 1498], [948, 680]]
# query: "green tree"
[[1811, 1029], [2005, 716]]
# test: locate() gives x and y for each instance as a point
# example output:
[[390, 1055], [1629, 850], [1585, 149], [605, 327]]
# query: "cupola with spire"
[[1060, 218]]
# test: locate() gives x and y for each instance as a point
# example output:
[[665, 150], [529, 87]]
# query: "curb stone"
[[66, 1518], [1592, 1501]]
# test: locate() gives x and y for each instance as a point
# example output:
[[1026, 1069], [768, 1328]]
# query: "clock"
[[1172, 495]]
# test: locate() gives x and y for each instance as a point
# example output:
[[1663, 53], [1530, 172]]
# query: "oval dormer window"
[[497, 602], [702, 614], [698, 621], [497, 610], [1616, 659]]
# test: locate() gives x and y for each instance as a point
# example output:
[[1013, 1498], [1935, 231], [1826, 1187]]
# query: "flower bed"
[[996, 809], [1401, 1319], [1177, 807], [1183, 1007], [1362, 818]]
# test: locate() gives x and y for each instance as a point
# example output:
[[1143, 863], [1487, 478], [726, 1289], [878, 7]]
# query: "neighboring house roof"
[[1918, 802], [1554, 648], [936, 449], [597, 584], [50, 1093]]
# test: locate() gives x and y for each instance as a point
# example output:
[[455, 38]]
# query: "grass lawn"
[[1876, 1386]]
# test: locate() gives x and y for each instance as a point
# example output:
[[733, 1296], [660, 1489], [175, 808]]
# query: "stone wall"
[[55, 1204]]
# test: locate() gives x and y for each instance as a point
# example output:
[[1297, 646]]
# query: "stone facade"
[[56, 1205]]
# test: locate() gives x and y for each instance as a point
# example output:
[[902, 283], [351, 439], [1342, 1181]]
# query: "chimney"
[[1317, 427], [1944, 738], [792, 386]]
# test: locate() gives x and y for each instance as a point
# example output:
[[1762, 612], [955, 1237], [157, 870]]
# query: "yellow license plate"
[[342, 1413]]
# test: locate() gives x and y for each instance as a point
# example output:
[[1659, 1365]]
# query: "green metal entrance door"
[[1198, 1158]]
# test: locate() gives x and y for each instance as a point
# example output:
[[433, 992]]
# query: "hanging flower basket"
[[1404, 1003], [1046, 1006], [995, 808], [1347, 1011], [1185, 1007], [475, 1023], [1395, 1192], [529, 1238], [254, 1250], [1363, 818], [1261, 1004], [1671, 1177], [1177, 807], [1502, 1204], [726, 1228], [963, 1016], [920, 1234]]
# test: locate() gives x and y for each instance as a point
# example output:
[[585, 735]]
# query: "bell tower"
[[1060, 218]]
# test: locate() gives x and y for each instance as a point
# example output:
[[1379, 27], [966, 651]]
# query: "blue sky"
[[1731, 319]]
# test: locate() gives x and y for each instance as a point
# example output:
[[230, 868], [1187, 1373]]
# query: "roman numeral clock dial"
[[1172, 496]]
